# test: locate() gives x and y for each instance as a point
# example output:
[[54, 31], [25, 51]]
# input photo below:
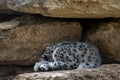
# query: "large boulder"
[[106, 35], [23, 39], [105, 72], [67, 8]]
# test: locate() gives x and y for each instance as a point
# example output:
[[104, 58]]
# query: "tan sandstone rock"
[[106, 72], [107, 36], [67, 8], [9, 24], [23, 44]]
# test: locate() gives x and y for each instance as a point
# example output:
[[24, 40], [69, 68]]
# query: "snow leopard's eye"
[[43, 57]]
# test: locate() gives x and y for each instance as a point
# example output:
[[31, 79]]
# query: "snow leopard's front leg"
[[49, 66]]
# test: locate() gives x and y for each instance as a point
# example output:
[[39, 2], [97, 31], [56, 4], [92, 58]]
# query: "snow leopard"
[[68, 55]]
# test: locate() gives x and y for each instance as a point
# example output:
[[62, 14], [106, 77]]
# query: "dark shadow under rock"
[[9, 72]]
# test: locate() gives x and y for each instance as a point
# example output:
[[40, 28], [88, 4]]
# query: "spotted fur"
[[68, 55]]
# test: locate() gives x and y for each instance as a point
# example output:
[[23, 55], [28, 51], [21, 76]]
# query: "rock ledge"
[[105, 72]]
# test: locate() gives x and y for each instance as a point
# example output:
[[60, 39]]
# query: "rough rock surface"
[[23, 44], [8, 25], [106, 35], [66, 8], [105, 72]]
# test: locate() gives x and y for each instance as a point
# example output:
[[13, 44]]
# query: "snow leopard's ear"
[[48, 47], [47, 44]]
